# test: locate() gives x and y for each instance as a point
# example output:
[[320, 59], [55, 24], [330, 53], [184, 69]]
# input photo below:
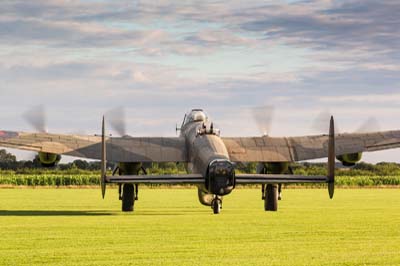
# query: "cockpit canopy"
[[195, 115]]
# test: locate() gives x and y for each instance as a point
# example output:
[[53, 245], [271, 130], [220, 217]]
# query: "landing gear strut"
[[271, 198], [136, 192], [263, 192], [216, 205], [279, 191]]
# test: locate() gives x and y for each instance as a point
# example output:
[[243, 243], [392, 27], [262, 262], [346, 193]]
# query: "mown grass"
[[170, 227]]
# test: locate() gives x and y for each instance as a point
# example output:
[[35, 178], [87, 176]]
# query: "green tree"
[[81, 164], [6, 157]]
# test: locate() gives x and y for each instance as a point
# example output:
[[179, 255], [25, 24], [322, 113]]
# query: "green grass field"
[[170, 227]]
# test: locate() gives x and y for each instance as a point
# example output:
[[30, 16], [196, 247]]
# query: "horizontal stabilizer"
[[156, 179], [281, 179]]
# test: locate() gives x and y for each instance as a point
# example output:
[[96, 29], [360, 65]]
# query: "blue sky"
[[160, 58]]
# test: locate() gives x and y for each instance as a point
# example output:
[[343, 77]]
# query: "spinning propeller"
[[116, 118], [37, 118], [369, 125], [263, 116]]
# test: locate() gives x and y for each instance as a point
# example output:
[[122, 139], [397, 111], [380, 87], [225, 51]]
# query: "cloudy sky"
[[158, 59]]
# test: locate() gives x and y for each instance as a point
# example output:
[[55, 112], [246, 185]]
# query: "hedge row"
[[88, 180], [49, 180], [368, 180]]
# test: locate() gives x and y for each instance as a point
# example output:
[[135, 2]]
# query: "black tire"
[[216, 204], [128, 198], [271, 198]]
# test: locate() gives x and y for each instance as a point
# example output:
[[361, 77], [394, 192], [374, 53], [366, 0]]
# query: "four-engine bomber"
[[210, 159], [211, 169]]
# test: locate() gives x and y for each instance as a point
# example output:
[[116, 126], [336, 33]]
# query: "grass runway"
[[170, 227]]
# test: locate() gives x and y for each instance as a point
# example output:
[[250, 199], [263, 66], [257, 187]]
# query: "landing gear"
[[216, 205], [263, 192], [128, 198], [128, 193], [280, 192], [273, 192], [204, 197], [271, 198], [136, 192]]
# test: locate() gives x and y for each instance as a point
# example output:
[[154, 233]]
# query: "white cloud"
[[160, 58], [140, 77], [368, 98]]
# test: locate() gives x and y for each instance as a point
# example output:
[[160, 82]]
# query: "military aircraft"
[[210, 159]]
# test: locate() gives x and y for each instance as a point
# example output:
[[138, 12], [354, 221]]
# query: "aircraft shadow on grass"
[[91, 213], [53, 213]]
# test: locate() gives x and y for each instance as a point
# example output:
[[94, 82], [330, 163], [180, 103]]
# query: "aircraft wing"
[[291, 149], [124, 149]]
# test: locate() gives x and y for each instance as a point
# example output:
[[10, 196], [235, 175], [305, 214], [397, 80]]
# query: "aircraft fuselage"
[[209, 157]]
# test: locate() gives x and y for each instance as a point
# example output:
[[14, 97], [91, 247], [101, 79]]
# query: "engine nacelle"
[[349, 159], [47, 159], [129, 168], [276, 168]]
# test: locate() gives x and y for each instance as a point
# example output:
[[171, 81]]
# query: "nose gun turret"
[[207, 130]]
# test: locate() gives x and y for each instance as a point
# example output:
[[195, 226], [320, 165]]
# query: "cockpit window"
[[196, 115]]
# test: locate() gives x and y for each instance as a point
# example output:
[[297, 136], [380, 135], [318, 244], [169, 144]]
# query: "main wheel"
[[271, 198], [216, 205], [128, 198]]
